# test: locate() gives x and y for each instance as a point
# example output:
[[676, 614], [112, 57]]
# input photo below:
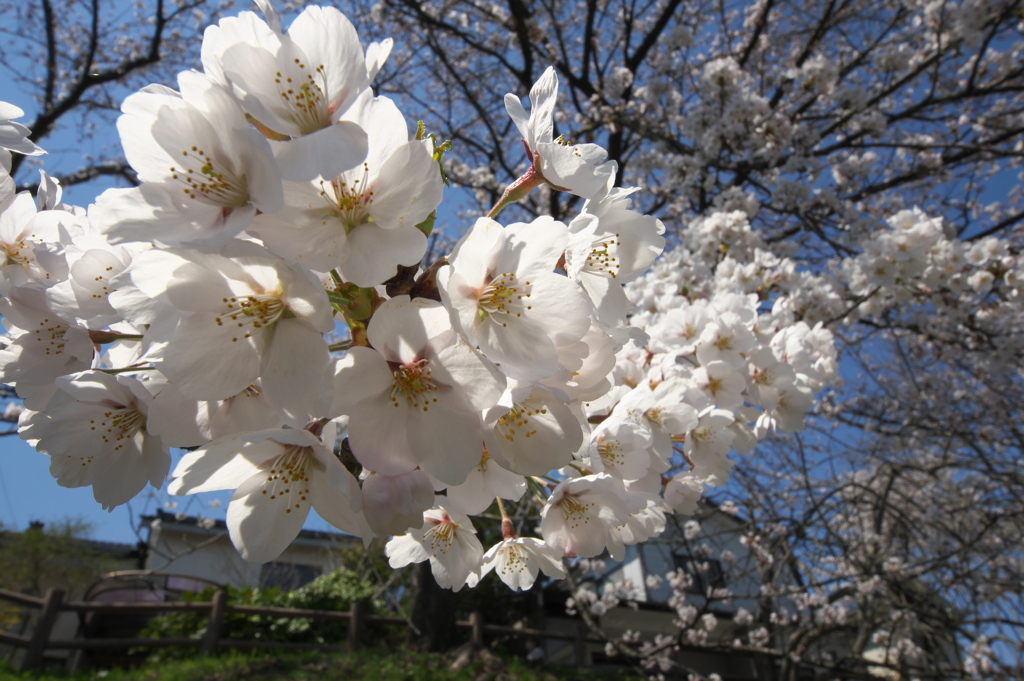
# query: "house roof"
[[114, 548]]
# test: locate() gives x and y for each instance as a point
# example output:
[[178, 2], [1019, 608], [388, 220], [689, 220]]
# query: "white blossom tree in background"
[[824, 127], [829, 174]]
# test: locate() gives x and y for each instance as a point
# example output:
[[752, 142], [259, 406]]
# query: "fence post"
[[44, 625], [476, 627], [579, 646], [355, 626], [218, 609]]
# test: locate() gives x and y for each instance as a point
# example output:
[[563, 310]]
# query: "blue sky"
[[29, 492]]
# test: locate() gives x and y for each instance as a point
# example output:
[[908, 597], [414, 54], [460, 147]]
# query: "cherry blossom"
[[296, 86], [362, 222], [13, 137], [30, 243], [448, 540], [240, 318], [518, 561], [506, 299], [95, 432], [483, 484], [422, 378], [42, 347], [277, 475], [533, 431], [581, 513], [205, 172], [577, 168]]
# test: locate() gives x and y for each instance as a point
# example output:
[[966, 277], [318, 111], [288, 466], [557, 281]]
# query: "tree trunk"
[[433, 613]]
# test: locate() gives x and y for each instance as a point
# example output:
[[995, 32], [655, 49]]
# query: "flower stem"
[[518, 190], [581, 471], [536, 486], [507, 530], [127, 370], [103, 337]]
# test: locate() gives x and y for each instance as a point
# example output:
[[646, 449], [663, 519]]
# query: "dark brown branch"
[[760, 24]]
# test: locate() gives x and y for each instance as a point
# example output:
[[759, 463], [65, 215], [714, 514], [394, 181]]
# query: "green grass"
[[362, 666]]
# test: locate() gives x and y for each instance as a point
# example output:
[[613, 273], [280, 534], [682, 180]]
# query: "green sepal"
[[357, 304], [439, 151], [339, 301], [427, 226]]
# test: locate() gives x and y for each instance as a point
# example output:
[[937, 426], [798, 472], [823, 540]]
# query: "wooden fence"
[[53, 604]]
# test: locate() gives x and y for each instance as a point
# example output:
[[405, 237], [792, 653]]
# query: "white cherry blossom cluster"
[[259, 292], [728, 360], [971, 290], [723, 360]]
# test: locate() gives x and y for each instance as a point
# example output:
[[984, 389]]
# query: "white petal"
[[581, 169], [361, 376], [327, 152], [373, 254], [294, 370], [407, 189], [209, 361], [404, 550], [226, 463], [262, 525]]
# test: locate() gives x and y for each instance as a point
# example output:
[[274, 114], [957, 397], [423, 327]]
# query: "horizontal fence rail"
[[53, 604]]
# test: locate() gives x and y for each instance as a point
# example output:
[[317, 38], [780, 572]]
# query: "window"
[[288, 576], [706, 573]]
